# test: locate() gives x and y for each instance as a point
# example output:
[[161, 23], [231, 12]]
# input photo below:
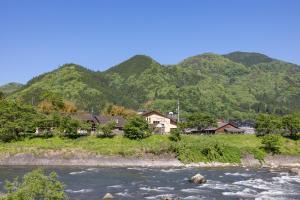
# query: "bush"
[[69, 128], [7, 135], [272, 143], [35, 185], [268, 124], [136, 128], [175, 135], [106, 130]]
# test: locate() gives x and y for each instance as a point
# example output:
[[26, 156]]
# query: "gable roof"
[[221, 125], [153, 112]]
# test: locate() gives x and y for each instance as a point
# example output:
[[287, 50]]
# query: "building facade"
[[159, 122]]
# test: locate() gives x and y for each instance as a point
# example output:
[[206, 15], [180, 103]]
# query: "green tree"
[[106, 130], [136, 128], [292, 124], [69, 127], [200, 120], [16, 119], [2, 96], [35, 185], [268, 124], [272, 143], [175, 135]]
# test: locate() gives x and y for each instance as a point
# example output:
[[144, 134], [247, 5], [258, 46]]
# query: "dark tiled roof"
[[102, 119]]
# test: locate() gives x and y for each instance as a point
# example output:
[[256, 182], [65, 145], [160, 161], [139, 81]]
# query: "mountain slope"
[[10, 87], [133, 66], [203, 83], [248, 58]]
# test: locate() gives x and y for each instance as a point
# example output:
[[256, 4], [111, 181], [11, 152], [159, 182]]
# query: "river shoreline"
[[60, 159]]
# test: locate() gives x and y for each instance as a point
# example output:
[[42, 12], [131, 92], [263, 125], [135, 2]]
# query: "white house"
[[160, 123]]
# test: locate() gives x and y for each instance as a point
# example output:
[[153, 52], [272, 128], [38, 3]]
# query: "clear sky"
[[37, 36]]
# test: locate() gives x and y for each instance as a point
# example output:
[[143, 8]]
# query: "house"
[[94, 120], [223, 127], [160, 123]]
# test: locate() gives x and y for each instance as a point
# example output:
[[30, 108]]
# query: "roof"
[[158, 113], [220, 125], [84, 117], [103, 119]]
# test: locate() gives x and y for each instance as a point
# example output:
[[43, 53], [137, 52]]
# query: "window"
[[155, 122]]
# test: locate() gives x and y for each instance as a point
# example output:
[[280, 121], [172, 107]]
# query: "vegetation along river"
[[84, 183]]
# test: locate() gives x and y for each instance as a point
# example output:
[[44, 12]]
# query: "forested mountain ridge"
[[10, 87], [236, 85]]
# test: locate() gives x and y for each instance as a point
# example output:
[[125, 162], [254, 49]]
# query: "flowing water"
[[83, 183]]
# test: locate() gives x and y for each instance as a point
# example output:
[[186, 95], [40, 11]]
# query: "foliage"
[[248, 59], [175, 135], [106, 129], [114, 110], [272, 143], [224, 86], [200, 121], [136, 128], [268, 124], [16, 119], [2, 96], [292, 124], [35, 185], [188, 149], [10, 88], [69, 127]]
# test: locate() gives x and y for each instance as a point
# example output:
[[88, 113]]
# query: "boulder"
[[198, 179], [108, 196], [295, 171]]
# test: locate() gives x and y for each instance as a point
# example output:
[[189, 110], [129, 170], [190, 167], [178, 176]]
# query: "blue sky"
[[37, 36]]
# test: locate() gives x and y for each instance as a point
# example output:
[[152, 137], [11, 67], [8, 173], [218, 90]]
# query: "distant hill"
[[133, 66], [10, 87], [248, 58], [221, 85]]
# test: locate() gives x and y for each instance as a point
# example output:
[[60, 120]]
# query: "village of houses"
[[159, 123]]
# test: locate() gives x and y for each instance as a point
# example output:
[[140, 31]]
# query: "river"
[[84, 183]]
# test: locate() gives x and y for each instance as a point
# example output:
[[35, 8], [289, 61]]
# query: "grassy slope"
[[188, 149]]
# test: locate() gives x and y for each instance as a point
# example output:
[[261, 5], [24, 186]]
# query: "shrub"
[[175, 135], [136, 128], [272, 143], [68, 127], [106, 129], [35, 185], [7, 134], [268, 124]]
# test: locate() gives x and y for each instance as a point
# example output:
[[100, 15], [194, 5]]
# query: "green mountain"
[[133, 66], [225, 86], [10, 87], [248, 58]]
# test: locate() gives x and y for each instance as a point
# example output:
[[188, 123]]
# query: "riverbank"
[[58, 158], [155, 151]]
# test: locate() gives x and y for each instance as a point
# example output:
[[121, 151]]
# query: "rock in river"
[[295, 171], [108, 196], [198, 179]]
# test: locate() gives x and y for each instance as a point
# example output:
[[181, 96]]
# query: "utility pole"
[[178, 117]]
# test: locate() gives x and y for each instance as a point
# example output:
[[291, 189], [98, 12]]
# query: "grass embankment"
[[222, 148]]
